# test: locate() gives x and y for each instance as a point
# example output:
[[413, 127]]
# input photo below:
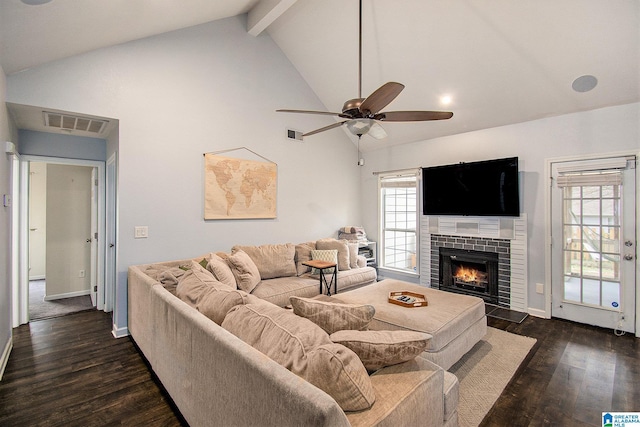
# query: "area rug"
[[41, 309], [486, 370]]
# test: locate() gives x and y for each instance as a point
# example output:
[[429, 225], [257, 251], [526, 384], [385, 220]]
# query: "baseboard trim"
[[5, 356], [42, 277], [537, 313], [67, 295], [119, 332]]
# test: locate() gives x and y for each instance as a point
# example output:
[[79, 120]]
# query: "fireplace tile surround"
[[500, 246], [505, 236]]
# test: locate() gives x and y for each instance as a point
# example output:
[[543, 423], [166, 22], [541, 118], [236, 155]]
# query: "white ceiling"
[[501, 61]]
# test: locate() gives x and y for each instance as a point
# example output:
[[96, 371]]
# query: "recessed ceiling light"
[[35, 2], [584, 83], [445, 99]]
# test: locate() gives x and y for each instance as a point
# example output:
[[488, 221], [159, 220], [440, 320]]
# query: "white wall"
[[179, 95], [7, 133], [606, 130]]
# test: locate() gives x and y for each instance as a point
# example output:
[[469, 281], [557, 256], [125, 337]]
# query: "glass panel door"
[[592, 221], [593, 253]]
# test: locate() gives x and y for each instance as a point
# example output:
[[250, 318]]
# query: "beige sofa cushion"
[[215, 302], [353, 254], [194, 282], [343, 251], [303, 254], [271, 260], [244, 270], [377, 349], [221, 270], [332, 316], [278, 291], [170, 277], [306, 350]]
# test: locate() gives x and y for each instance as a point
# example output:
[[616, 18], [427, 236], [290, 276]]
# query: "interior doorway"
[[75, 249], [62, 223]]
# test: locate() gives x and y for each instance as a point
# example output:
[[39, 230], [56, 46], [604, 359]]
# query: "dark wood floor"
[[573, 374], [70, 371]]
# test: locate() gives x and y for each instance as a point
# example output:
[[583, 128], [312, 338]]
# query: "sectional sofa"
[[231, 354]]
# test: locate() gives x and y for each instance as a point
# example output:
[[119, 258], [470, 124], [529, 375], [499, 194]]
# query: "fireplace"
[[469, 272]]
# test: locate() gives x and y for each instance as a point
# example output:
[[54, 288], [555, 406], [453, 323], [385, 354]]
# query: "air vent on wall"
[[71, 123]]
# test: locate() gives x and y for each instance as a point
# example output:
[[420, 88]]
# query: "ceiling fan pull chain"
[[360, 51]]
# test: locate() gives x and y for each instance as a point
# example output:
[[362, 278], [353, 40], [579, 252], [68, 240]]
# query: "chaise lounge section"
[[455, 322]]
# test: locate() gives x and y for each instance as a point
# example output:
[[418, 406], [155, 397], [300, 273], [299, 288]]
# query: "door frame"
[[549, 222], [111, 233], [21, 310]]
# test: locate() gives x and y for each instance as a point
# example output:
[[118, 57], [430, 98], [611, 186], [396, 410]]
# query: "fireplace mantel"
[[463, 231]]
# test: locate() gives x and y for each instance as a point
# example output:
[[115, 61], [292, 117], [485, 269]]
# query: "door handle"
[[89, 240], [111, 245], [628, 257]]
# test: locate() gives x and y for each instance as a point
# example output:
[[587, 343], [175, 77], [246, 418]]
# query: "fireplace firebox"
[[469, 272]]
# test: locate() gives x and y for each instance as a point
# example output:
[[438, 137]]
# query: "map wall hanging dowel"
[[236, 188]]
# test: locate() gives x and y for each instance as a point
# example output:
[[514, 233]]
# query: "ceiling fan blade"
[[313, 132], [381, 97], [327, 113], [377, 131], [413, 116]]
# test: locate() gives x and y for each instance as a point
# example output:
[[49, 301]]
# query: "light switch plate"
[[141, 232]]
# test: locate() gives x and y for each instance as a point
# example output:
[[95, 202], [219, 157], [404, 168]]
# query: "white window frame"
[[382, 229]]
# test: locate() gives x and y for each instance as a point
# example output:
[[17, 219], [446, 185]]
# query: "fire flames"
[[465, 274]]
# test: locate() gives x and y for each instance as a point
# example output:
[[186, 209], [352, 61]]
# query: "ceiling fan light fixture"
[[359, 126]]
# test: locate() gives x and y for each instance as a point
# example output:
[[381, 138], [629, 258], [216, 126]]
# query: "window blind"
[[589, 179]]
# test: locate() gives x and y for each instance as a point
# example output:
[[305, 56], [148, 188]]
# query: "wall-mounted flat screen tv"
[[486, 188]]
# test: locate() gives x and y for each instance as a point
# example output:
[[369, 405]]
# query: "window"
[[399, 221]]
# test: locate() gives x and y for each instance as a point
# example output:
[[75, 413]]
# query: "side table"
[[323, 265]]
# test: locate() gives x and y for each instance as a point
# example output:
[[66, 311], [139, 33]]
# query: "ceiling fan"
[[362, 114]]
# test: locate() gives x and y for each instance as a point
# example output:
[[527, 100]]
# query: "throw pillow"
[[304, 349], [244, 270], [342, 248], [324, 255], [215, 302], [353, 254], [194, 282], [333, 316], [221, 270], [377, 349], [272, 260], [303, 253], [170, 277]]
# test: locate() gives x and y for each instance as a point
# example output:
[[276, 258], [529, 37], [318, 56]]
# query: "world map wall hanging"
[[236, 188]]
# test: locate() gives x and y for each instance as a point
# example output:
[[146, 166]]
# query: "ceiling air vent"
[[71, 123]]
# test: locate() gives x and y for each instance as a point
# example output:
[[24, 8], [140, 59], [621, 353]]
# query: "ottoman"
[[456, 322]]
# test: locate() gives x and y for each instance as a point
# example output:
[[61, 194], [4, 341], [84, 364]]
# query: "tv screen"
[[486, 188]]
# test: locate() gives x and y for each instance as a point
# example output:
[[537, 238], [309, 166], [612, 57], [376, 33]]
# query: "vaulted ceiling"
[[500, 61]]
